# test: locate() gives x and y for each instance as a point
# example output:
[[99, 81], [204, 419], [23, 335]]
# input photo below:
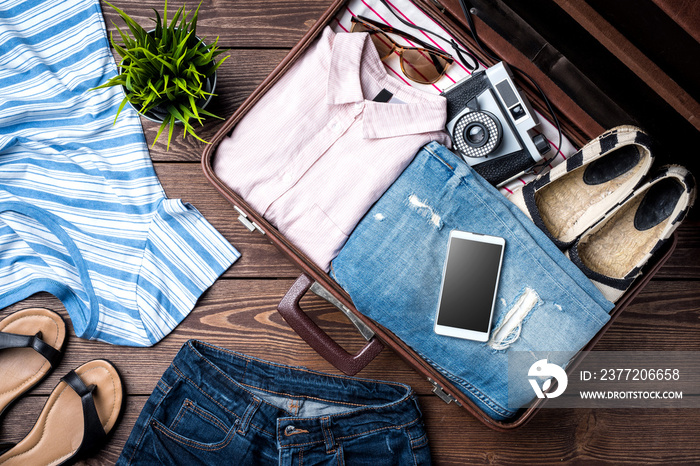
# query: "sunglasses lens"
[[423, 67], [381, 42]]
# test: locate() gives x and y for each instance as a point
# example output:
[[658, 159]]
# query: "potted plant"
[[168, 73]]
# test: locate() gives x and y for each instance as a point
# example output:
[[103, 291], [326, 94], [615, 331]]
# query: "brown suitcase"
[[576, 125]]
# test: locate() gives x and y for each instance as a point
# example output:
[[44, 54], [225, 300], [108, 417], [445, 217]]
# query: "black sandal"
[[32, 340], [91, 396]]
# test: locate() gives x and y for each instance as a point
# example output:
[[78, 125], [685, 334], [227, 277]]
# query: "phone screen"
[[471, 275]]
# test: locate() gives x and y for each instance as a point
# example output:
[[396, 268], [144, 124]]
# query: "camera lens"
[[476, 134]]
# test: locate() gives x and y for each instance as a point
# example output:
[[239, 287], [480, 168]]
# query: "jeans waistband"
[[277, 397]]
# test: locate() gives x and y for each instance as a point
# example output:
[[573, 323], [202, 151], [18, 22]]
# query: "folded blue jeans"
[[392, 264], [215, 406]]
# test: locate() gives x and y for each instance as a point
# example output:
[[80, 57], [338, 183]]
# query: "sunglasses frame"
[[379, 28]]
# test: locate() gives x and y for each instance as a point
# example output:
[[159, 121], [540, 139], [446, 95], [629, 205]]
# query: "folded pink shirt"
[[316, 151]]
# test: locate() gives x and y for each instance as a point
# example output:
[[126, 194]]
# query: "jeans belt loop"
[[328, 434], [248, 415], [414, 399]]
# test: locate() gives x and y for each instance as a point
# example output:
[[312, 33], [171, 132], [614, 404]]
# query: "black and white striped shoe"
[[613, 252], [575, 195]]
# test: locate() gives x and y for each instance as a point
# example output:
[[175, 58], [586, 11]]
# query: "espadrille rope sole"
[[561, 217], [575, 195], [618, 246], [614, 251]]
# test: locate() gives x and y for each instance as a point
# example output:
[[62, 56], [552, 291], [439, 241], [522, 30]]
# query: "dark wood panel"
[[554, 436], [259, 24], [241, 315], [689, 234], [566, 436], [665, 316], [684, 264]]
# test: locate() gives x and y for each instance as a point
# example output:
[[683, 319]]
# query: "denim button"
[[289, 430]]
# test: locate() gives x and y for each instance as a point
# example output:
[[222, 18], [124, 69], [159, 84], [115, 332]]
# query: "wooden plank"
[[255, 25], [665, 316], [689, 234], [241, 315], [566, 436], [554, 436], [684, 264], [684, 12]]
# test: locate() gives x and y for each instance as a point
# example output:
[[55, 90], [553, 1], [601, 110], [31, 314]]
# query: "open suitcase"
[[577, 126]]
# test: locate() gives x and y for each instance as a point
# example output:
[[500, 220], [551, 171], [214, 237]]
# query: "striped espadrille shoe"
[[613, 252], [574, 195]]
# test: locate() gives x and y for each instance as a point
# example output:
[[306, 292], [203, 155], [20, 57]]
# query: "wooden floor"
[[239, 311]]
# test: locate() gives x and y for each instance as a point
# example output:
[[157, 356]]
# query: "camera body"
[[491, 125]]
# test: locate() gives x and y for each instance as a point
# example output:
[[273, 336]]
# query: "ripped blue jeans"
[[392, 266]]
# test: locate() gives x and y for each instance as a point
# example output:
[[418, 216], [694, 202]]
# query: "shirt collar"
[[354, 53]]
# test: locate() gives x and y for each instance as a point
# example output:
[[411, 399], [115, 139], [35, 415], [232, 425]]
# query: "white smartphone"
[[469, 285]]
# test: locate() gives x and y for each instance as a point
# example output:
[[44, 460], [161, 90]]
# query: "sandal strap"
[[12, 340], [93, 433], [6, 446]]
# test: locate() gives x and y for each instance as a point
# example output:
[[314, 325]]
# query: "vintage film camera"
[[491, 125]]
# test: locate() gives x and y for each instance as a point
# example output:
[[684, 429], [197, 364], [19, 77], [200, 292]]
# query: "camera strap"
[[472, 29], [471, 64]]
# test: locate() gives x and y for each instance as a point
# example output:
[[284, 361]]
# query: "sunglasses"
[[424, 65]]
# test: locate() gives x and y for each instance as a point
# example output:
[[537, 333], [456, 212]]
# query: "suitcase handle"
[[318, 339]]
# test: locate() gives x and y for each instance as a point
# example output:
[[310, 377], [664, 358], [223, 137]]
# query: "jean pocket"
[[196, 427]]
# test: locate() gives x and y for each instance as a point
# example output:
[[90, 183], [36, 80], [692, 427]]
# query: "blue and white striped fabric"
[[82, 214]]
